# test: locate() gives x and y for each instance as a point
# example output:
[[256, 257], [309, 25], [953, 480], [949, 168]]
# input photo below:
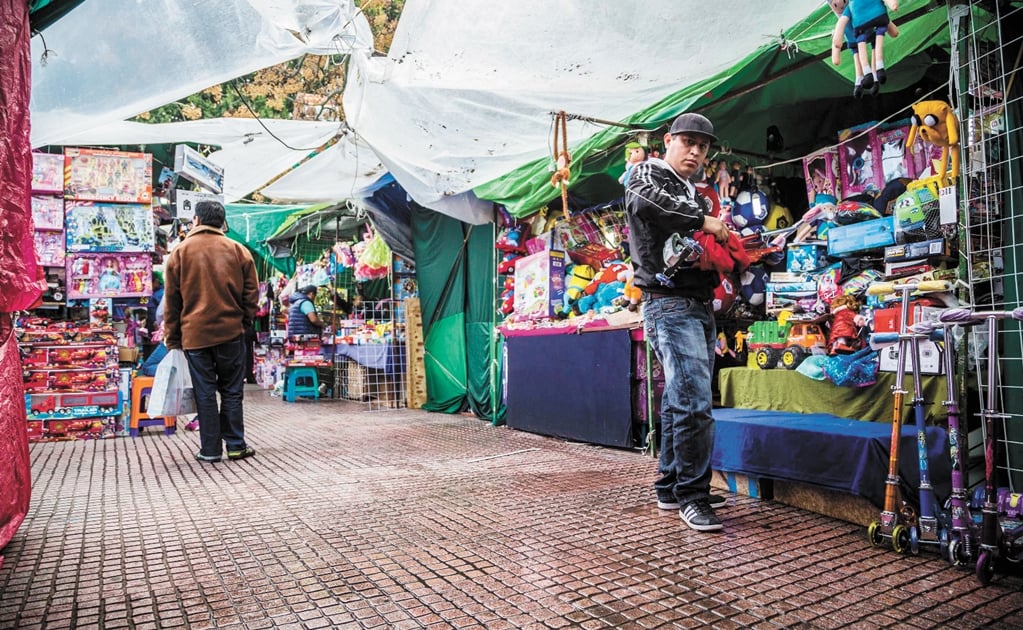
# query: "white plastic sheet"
[[113, 59], [466, 92]]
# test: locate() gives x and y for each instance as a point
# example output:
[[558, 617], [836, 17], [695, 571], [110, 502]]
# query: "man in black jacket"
[[678, 315]]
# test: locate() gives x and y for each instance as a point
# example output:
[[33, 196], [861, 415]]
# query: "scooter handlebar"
[[883, 340], [966, 317], [924, 286]]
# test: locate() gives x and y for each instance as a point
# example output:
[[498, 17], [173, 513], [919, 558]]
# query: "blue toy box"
[[873, 234], [805, 257]]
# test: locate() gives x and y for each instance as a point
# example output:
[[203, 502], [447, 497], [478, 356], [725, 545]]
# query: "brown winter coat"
[[211, 290]]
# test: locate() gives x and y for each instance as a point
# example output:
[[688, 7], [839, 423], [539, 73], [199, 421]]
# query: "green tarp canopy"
[[789, 82]]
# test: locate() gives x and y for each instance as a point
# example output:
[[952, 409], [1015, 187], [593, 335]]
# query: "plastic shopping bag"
[[172, 393]]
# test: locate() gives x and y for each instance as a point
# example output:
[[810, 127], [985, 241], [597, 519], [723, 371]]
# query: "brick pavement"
[[406, 519]]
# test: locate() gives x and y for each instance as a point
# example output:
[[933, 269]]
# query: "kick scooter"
[[899, 522], [962, 545], [999, 539]]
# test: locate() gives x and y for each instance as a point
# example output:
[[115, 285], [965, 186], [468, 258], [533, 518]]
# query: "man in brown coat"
[[210, 297]]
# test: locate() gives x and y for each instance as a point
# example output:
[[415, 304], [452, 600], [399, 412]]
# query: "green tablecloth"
[[788, 390]]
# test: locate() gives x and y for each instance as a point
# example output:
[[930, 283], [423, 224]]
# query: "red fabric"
[[18, 285], [725, 258]]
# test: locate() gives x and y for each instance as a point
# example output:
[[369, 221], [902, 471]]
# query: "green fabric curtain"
[[440, 244], [483, 374], [252, 224]]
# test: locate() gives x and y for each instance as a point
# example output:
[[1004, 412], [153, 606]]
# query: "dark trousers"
[[219, 369]]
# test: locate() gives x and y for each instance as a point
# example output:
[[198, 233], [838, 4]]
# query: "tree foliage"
[[274, 92]]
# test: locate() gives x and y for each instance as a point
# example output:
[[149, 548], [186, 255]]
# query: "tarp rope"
[[562, 158]]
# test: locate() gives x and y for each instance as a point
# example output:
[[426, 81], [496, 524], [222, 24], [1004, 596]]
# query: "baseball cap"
[[309, 288], [692, 123]]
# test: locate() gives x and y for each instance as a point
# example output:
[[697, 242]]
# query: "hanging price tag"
[[947, 205]]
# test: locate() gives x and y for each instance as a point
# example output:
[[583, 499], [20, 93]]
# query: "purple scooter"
[[999, 539]]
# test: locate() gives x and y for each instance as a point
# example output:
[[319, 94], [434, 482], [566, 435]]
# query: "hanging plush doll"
[[935, 122], [862, 23], [634, 154]]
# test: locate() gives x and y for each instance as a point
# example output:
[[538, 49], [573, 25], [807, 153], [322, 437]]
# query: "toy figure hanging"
[[863, 23], [634, 154]]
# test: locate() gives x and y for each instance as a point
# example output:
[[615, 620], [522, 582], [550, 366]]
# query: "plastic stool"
[[141, 387], [301, 381]]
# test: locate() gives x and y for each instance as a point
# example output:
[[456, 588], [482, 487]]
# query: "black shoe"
[[714, 501], [248, 451], [698, 515], [868, 81], [882, 76], [207, 459], [874, 89], [858, 90]]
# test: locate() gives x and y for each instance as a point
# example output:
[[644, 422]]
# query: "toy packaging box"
[[48, 212], [48, 172], [860, 160], [49, 248], [103, 175], [805, 257], [873, 234], [540, 284], [109, 275], [109, 227], [822, 177], [896, 161]]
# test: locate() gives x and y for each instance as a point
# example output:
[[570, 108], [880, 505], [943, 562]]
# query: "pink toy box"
[[109, 275], [48, 212], [822, 178], [860, 160], [540, 284], [48, 172], [896, 161]]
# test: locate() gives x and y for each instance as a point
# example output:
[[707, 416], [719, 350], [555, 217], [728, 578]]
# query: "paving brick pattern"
[[350, 518]]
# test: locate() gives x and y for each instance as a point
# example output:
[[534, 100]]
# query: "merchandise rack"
[[986, 93]]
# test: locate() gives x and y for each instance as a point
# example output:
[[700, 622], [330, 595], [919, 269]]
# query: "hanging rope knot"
[[562, 158]]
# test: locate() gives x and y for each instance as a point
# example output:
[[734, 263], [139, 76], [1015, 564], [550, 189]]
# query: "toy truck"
[[788, 341]]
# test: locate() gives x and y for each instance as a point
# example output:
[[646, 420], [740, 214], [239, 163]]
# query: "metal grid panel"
[[986, 95]]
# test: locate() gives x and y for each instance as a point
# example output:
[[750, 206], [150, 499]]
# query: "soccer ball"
[[753, 285], [724, 295], [750, 211]]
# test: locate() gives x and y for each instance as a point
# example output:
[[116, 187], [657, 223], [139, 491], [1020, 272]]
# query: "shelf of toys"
[[95, 238]]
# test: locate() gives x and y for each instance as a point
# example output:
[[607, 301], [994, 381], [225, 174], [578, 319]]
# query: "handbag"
[[172, 393]]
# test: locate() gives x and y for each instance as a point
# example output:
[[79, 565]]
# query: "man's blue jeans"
[[682, 333], [219, 369]]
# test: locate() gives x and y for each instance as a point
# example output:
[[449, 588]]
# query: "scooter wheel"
[[943, 542], [955, 554], [914, 541], [900, 539], [874, 534], [985, 567]]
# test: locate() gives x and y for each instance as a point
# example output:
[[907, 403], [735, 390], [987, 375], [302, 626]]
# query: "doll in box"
[[110, 277]]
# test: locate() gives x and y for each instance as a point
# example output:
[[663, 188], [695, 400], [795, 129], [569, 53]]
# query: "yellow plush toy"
[[935, 122]]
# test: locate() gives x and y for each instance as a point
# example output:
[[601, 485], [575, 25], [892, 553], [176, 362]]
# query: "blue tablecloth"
[[828, 451], [387, 357]]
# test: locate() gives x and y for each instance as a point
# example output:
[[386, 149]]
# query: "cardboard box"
[[889, 319], [916, 251], [594, 255], [540, 284], [930, 358], [873, 234], [860, 159], [805, 257]]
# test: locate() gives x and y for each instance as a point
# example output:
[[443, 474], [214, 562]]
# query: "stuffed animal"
[[507, 264], [512, 238], [862, 23], [605, 275], [845, 37], [631, 294], [577, 278], [634, 154], [935, 122]]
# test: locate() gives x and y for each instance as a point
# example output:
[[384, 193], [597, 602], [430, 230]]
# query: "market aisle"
[[405, 519]]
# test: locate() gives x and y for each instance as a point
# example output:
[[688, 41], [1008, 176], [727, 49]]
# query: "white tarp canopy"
[[110, 60], [466, 91]]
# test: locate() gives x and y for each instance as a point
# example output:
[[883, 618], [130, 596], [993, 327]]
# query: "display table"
[[826, 451], [575, 386], [788, 390], [388, 357]]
